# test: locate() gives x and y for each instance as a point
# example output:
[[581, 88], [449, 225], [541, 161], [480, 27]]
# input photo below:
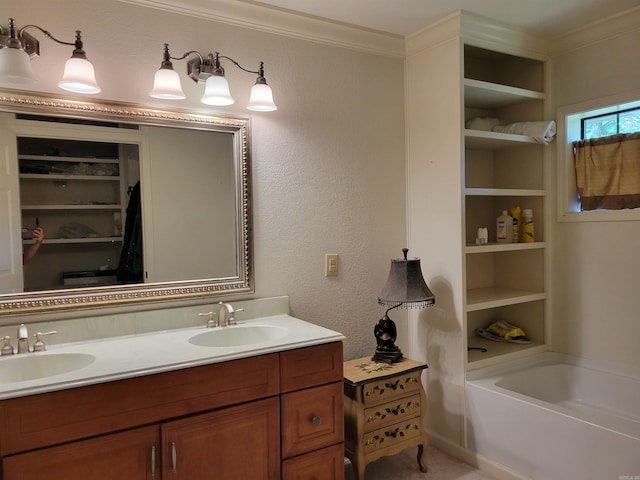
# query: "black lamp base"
[[385, 356], [385, 332]]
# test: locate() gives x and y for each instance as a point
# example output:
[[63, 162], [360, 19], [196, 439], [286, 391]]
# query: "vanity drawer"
[[392, 412], [310, 366], [325, 464], [392, 435], [311, 419], [390, 388]]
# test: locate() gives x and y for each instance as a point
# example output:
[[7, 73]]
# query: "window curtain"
[[608, 172]]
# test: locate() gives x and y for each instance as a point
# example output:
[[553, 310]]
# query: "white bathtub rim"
[[486, 378]]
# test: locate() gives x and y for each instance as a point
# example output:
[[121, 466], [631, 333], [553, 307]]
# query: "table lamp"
[[405, 288]]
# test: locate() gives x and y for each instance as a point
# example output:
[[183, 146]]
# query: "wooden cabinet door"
[[133, 455], [240, 442]]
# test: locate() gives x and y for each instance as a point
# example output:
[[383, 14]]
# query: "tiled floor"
[[405, 467]]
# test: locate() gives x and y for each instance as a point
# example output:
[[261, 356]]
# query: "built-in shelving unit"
[[501, 170]]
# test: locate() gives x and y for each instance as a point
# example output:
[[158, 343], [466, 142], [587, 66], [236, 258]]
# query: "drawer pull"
[[153, 460], [174, 457], [317, 421]]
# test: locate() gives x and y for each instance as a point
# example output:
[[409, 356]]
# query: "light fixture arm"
[[77, 43]]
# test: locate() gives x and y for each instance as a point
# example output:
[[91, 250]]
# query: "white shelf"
[[486, 140], [498, 352], [78, 240], [503, 247], [480, 94], [43, 176], [493, 297], [71, 207], [503, 192], [54, 158]]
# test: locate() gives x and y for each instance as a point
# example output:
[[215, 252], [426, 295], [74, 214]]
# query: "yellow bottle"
[[517, 222], [528, 231]]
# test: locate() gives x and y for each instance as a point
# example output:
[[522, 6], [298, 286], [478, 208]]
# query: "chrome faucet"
[[23, 339], [226, 314]]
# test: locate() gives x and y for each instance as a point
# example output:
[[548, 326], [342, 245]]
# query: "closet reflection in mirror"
[[123, 204]]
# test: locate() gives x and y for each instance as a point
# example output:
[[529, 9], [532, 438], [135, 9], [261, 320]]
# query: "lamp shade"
[[405, 285], [261, 99], [166, 85], [79, 77], [216, 92], [15, 68]]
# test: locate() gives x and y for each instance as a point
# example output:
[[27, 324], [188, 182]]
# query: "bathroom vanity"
[[268, 410]]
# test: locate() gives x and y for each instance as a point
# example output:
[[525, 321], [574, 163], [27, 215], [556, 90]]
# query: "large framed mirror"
[[136, 204]]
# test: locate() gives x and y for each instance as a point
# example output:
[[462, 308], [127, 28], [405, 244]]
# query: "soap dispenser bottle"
[[504, 228]]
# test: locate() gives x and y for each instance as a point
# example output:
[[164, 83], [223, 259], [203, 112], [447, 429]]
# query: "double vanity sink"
[[99, 360]]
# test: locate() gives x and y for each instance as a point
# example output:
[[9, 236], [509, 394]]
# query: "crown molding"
[[609, 27], [481, 32], [281, 22]]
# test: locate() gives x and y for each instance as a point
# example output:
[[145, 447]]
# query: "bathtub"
[[552, 416]]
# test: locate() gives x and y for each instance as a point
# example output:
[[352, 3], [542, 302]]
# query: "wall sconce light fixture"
[[17, 47], [207, 70]]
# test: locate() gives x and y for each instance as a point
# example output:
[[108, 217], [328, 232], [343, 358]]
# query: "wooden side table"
[[384, 408]]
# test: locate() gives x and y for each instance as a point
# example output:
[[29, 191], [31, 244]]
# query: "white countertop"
[[130, 356]]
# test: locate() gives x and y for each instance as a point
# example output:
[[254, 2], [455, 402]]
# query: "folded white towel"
[[482, 123], [542, 132]]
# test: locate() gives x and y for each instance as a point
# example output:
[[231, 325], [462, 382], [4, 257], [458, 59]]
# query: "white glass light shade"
[[15, 68], [166, 85], [79, 77], [216, 92], [261, 99]]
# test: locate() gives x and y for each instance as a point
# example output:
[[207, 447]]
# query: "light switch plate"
[[331, 265]]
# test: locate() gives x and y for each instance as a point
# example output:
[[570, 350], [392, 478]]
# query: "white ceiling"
[[402, 17]]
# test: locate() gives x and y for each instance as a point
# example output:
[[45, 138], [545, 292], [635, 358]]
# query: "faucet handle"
[[232, 316], [39, 345], [7, 348], [212, 322]]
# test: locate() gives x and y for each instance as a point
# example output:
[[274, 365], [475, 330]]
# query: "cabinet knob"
[[317, 421]]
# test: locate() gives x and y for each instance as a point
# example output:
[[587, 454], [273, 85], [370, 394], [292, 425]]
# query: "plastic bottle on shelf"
[[528, 231], [517, 222], [504, 228]]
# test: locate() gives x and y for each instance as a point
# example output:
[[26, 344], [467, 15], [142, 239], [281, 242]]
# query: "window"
[[603, 125], [601, 117]]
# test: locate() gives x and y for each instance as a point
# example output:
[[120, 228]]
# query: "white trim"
[[285, 23], [613, 26], [567, 132]]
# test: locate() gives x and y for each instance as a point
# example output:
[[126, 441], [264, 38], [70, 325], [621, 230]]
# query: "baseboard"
[[490, 467]]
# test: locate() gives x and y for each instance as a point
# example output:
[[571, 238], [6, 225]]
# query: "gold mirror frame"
[[135, 294]]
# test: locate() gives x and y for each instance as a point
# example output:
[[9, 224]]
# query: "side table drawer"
[[383, 390], [312, 419], [385, 438], [392, 412]]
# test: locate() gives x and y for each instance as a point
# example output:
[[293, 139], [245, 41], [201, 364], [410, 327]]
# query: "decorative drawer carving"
[[392, 412], [384, 438], [399, 386]]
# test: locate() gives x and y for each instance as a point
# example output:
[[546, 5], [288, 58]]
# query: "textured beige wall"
[[596, 264], [328, 166]]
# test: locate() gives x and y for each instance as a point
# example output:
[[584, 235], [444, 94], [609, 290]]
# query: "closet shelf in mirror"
[[92, 178], [78, 240], [58, 158], [92, 206]]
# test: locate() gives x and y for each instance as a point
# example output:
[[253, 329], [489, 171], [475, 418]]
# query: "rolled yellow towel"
[[506, 330]]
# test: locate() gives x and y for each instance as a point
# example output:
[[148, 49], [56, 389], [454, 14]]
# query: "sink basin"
[[30, 366], [238, 335]]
